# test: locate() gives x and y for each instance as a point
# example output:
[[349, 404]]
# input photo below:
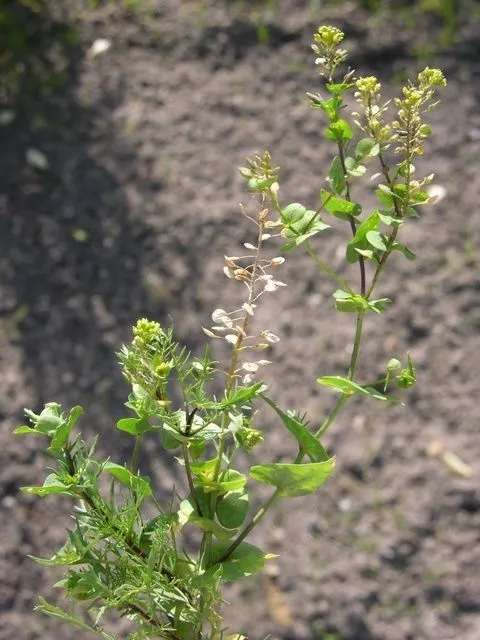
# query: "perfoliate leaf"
[[230, 480], [349, 302], [339, 207], [244, 561], [294, 479], [205, 524], [307, 441], [339, 131], [133, 426], [232, 509], [376, 240], [359, 240], [336, 177]]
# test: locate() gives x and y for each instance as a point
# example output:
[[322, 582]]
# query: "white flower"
[[252, 367], [232, 338], [248, 308], [270, 337], [278, 260]]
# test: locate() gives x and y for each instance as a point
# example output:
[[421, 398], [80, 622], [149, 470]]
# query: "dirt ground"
[[131, 218]]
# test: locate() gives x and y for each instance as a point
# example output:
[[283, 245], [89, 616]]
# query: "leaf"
[[380, 305], [293, 213], [244, 561], [62, 432], [350, 388], [349, 302], [339, 131], [367, 147], [409, 255], [241, 395], [232, 509], [134, 426], [49, 419], [205, 524], [336, 176], [376, 240], [359, 240], [138, 485], [339, 87], [304, 437], [339, 207], [294, 479], [407, 376], [51, 486], [230, 480], [354, 168], [24, 429]]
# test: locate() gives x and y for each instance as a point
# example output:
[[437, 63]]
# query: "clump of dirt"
[[131, 215]]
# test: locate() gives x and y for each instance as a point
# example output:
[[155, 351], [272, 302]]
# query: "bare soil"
[[131, 218]]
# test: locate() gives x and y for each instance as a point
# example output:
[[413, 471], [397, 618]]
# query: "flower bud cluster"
[[330, 56]]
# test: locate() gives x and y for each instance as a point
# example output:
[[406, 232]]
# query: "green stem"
[[135, 454], [356, 345], [188, 471], [301, 454]]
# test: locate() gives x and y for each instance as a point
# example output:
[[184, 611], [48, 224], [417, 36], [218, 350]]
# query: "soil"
[[132, 217]]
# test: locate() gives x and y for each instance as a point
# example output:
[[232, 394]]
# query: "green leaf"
[[349, 302], [24, 429], [359, 240], [367, 147], [133, 426], [336, 176], [232, 509], [62, 432], [230, 480], [138, 485], [350, 388], [339, 87], [339, 207], [242, 395], [380, 305], [407, 377], [304, 437], [205, 524], [51, 486], [244, 561], [49, 419], [354, 168], [293, 213], [339, 131], [294, 479], [376, 240], [409, 255], [331, 107]]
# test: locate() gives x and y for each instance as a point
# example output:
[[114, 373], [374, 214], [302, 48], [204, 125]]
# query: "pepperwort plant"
[[125, 551]]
